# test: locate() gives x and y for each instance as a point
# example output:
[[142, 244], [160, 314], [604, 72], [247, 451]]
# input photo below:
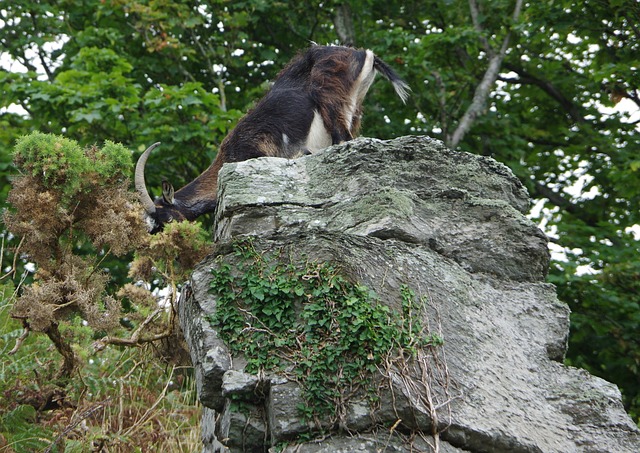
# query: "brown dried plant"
[[72, 209]]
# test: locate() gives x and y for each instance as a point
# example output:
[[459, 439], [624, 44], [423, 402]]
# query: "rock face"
[[451, 226]]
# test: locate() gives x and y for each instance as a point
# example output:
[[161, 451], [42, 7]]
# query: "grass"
[[121, 399]]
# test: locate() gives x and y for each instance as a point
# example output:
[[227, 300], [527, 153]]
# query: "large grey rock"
[[382, 442], [465, 207], [209, 354], [451, 226]]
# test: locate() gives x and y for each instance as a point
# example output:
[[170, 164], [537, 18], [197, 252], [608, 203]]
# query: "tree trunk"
[[64, 348]]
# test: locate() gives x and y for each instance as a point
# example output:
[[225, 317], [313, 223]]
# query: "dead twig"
[[83, 416], [23, 336], [135, 339]]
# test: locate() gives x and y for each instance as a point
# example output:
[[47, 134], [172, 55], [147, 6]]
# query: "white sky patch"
[[163, 297], [629, 112], [219, 69], [573, 39], [585, 269], [557, 251], [635, 230], [14, 108], [9, 64], [204, 12], [576, 190], [628, 109], [32, 55]]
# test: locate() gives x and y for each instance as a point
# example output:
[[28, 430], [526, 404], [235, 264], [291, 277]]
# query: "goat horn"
[[141, 186]]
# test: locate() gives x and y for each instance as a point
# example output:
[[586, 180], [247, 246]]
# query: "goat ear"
[[167, 192]]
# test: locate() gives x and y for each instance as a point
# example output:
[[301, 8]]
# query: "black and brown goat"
[[315, 101]]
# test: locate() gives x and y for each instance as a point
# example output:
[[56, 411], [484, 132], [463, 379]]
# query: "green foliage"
[[21, 431], [335, 333], [72, 210], [606, 343], [57, 160], [61, 164], [18, 422], [172, 253]]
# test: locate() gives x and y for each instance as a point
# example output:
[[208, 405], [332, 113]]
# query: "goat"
[[315, 101]]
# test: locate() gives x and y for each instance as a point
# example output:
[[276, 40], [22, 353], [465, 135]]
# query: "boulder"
[[449, 225]]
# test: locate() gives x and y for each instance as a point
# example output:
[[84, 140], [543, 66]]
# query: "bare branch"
[[16, 253], [64, 348], [475, 18], [41, 56], [568, 206], [483, 89], [343, 23], [72, 425], [526, 78], [634, 27], [23, 336], [442, 102], [135, 339], [223, 95]]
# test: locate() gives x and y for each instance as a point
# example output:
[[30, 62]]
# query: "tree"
[[181, 72]]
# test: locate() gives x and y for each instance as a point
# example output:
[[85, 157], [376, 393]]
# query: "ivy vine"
[[309, 321]]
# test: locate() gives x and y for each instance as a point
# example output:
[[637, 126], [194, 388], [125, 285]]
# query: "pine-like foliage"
[[68, 200]]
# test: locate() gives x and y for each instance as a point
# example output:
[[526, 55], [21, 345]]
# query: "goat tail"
[[400, 86]]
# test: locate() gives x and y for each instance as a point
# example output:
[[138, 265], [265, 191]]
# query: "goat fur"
[[315, 101]]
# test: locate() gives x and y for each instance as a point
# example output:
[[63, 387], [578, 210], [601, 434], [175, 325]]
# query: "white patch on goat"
[[150, 221], [360, 87], [318, 137], [285, 140]]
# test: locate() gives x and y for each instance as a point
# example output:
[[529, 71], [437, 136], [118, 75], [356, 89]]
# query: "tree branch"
[[442, 102], [23, 336], [43, 62], [64, 348], [483, 89], [528, 79], [632, 95], [575, 210], [136, 338], [633, 26], [475, 18], [554, 197], [343, 23]]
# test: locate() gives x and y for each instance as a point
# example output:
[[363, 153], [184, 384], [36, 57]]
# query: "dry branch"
[[483, 89]]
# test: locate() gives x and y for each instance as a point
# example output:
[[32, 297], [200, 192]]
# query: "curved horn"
[[141, 187]]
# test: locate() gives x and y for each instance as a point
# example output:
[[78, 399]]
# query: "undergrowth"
[[312, 323], [118, 401]]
